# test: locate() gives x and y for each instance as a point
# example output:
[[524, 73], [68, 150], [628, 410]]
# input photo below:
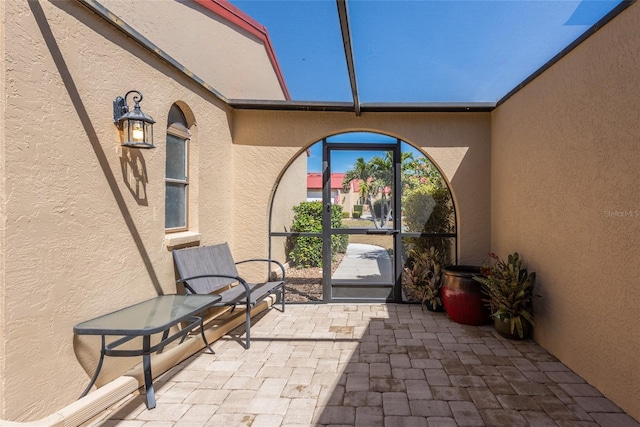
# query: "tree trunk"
[[373, 212], [389, 204]]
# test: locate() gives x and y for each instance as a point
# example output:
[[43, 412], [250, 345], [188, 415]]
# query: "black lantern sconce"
[[136, 126]]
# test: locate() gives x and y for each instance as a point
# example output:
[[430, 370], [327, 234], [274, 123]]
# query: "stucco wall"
[[291, 191], [3, 70], [83, 219], [458, 144], [565, 156], [230, 59]]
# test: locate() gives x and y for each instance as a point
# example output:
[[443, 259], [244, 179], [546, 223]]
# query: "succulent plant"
[[509, 289], [424, 276]]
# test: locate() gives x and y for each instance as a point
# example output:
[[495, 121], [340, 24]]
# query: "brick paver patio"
[[370, 365]]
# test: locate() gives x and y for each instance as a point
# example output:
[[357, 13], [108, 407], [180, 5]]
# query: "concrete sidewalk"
[[360, 261], [370, 365]]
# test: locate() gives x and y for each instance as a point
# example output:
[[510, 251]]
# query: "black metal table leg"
[[146, 366], [143, 322], [95, 375]]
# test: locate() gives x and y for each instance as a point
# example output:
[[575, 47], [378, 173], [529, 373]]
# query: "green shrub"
[[339, 242], [345, 215], [356, 215], [429, 209], [307, 251], [357, 209]]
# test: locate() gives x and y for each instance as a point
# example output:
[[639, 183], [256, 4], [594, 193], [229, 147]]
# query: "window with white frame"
[[177, 172]]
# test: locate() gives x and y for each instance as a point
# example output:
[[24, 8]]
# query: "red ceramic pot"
[[462, 296]]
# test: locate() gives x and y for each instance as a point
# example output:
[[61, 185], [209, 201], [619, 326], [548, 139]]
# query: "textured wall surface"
[[457, 143], [565, 179], [291, 191], [3, 72], [82, 218]]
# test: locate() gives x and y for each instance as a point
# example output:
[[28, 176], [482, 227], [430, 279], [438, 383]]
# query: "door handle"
[[378, 232], [381, 232]]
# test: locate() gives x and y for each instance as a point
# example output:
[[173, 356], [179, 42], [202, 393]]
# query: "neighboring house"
[[346, 198]]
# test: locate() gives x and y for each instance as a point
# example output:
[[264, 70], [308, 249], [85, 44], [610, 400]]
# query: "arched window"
[[177, 172]]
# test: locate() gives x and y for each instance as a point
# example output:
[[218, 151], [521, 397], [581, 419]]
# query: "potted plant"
[[509, 288], [423, 277], [462, 296]]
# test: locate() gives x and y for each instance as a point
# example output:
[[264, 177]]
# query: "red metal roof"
[[314, 180]]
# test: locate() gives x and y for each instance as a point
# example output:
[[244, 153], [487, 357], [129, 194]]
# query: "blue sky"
[[419, 50], [342, 161]]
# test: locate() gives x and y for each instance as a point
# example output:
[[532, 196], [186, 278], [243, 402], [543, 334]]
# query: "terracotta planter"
[[462, 296]]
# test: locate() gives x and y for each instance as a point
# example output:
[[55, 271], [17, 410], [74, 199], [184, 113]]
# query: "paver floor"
[[370, 365]]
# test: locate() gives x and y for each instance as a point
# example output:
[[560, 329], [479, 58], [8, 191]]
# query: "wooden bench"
[[212, 269]]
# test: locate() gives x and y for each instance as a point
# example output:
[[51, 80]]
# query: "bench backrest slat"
[[216, 259]]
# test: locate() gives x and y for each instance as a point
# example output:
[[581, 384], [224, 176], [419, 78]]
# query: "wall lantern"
[[137, 127]]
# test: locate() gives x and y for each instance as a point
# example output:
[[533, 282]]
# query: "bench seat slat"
[[236, 294]]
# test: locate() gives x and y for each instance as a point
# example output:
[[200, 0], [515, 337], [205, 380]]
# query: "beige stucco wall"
[[565, 180], [82, 228], [457, 143], [3, 71], [230, 59], [291, 191]]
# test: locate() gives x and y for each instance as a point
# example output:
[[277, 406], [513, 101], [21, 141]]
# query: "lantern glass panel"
[[148, 133], [136, 128]]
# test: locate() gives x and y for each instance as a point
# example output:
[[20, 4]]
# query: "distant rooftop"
[[314, 181]]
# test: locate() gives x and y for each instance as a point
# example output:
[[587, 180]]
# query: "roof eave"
[[383, 107]]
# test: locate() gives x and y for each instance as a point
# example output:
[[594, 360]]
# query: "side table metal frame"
[[111, 349]]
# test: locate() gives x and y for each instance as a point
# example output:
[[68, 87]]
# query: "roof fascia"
[[232, 14], [592, 30], [438, 107], [253, 104]]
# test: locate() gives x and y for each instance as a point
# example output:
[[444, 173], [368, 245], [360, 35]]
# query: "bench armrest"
[[265, 260], [202, 276]]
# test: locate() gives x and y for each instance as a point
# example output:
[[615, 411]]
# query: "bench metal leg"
[[148, 378], [248, 326], [165, 334], [204, 338]]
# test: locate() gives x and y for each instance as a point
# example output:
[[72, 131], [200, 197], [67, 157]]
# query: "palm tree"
[[376, 176], [383, 174], [363, 173]]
